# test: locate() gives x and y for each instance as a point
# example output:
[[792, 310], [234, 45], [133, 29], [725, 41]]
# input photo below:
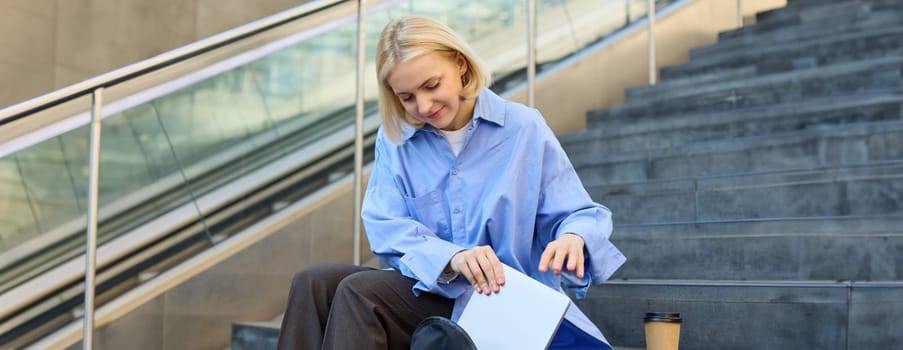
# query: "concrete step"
[[795, 11], [808, 3], [723, 49], [804, 4], [874, 20], [818, 52], [753, 314], [605, 137], [873, 189], [817, 147], [766, 15], [690, 81], [833, 80], [822, 16], [256, 335], [791, 16], [783, 249]]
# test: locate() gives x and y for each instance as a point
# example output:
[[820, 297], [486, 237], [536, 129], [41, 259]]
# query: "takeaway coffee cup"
[[662, 330]]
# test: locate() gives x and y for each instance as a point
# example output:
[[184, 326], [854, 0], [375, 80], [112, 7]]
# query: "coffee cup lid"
[[673, 317]]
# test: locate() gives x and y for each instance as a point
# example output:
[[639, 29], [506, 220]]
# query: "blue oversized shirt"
[[511, 187]]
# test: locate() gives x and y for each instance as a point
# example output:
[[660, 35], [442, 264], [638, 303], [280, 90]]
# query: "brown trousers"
[[340, 306]]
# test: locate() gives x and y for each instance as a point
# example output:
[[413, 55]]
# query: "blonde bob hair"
[[410, 37]]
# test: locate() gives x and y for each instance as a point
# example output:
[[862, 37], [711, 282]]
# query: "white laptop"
[[524, 315]]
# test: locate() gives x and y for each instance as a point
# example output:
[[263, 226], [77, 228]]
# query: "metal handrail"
[[71, 92]]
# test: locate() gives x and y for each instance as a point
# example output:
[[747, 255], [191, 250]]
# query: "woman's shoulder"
[[383, 145], [502, 111], [523, 117]]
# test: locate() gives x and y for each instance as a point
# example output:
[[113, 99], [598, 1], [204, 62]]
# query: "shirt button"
[[457, 210], [454, 171]]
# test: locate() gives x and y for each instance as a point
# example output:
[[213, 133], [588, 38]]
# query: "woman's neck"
[[465, 115]]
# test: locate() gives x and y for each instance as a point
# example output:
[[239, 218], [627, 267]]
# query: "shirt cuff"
[[446, 278], [427, 265]]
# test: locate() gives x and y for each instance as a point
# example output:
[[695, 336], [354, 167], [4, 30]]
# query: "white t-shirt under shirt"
[[456, 138]]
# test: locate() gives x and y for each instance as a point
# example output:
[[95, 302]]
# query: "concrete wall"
[[49, 44], [600, 79]]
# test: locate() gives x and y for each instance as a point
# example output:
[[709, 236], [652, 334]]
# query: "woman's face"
[[429, 87]]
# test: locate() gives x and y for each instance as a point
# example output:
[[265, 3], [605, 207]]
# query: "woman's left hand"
[[568, 246]]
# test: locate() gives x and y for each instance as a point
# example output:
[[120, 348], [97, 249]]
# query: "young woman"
[[463, 181]]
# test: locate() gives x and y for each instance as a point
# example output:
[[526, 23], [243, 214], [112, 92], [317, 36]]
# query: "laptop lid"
[[524, 315]]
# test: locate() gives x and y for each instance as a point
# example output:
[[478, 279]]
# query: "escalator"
[[200, 143]]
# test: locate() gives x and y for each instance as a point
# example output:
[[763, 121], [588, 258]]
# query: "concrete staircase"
[[758, 188]]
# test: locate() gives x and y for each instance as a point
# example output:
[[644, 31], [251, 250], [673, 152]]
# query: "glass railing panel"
[[236, 122], [203, 118], [567, 26], [123, 165], [48, 176], [54, 181], [280, 83], [134, 163], [312, 79], [152, 142], [36, 186], [18, 218]]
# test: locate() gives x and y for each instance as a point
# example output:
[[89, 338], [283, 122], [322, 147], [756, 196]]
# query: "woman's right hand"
[[481, 267]]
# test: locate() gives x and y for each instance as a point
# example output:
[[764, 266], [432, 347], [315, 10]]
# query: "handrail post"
[[359, 131], [651, 19], [91, 236], [531, 53], [739, 13], [626, 12]]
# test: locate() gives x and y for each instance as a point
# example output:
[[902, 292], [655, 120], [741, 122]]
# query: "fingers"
[[482, 268], [561, 252], [459, 263], [568, 247], [575, 259], [547, 256], [553, 257], [498, 270]]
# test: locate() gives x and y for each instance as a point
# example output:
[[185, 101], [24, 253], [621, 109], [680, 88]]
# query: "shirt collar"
[[489, 107]]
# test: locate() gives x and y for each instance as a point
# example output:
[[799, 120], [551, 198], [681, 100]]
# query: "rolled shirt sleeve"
[[566, 207]]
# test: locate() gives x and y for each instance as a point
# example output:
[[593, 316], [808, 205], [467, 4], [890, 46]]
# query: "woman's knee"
[[353, 283], [326, 273], [374, 284]]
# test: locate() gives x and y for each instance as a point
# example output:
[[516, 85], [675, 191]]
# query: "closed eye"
[[429, 85]]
